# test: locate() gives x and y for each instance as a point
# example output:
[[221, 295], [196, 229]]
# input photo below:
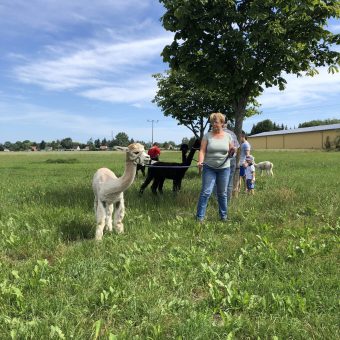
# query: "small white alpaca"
[[265, 166], [109, 190]]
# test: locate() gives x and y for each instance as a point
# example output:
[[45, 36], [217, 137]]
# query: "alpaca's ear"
[[121, 148]]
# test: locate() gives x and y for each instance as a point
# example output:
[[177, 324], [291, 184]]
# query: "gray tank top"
[[217, 150]]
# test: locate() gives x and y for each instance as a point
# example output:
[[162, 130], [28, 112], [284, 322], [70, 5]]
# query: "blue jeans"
[[250, 185], [210, 176], [231, 178]]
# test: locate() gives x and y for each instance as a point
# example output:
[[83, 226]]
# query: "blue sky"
[[82, 69]]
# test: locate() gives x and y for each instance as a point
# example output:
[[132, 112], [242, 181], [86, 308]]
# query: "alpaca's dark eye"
[[136, 152]]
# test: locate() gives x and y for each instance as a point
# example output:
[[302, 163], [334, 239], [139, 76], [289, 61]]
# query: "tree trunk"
[[201, 127], [239, 109]]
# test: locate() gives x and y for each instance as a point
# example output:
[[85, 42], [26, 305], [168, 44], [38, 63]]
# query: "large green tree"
[[244, 46], [42, 145], [67, 143], [122, 139], [265, 126], [190, 103]]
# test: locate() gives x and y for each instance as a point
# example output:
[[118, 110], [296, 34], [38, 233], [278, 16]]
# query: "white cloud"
[[334, 28], [302, 91], [40, 123], [304, 99], [54, 16], [97, 66], [132, 91]]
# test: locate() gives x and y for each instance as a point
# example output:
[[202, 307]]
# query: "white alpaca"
[[265, 166], [108, 190]]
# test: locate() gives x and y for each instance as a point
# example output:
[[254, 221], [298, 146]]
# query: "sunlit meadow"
[[270, 272]]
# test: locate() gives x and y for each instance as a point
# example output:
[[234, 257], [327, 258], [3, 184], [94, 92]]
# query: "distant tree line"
[[319, 122], [63, 144], [121, 139], [267, 125]]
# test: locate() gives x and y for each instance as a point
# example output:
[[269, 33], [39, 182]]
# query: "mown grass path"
[[271, 272]]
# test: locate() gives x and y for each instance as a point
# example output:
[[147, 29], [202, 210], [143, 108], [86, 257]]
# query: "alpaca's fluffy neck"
[[190, 156], [184, 156], [118, 185], [128, 176]]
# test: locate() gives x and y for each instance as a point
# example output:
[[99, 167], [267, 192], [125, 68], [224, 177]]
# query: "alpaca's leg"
[[154, 186], [109, 211], [100, 216], [119, 215], [179, 184], [95, 205], [174, 185], [160, 185], [146, 183]]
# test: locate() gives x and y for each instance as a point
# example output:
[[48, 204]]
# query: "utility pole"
[[152, 121]]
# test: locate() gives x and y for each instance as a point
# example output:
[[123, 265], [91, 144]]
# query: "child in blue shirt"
[[250, 174]]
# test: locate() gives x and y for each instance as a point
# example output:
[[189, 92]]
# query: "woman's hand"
[[231, 152], [201, 155], [200, 167]]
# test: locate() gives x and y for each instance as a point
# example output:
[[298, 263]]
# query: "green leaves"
[[191, 103], [333, 69], [219, 43], [56, 333], [312, 72], [11, 292]]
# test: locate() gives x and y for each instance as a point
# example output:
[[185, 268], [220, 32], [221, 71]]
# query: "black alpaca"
[[141, 168], [170, 170]]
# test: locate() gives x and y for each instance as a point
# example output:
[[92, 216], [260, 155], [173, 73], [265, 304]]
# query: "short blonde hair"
[[217, 116]]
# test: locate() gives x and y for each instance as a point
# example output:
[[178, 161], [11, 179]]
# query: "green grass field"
[[271, 272]]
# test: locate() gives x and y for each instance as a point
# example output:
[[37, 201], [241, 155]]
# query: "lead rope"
[[171, 166], [230, 154], [174, 166]]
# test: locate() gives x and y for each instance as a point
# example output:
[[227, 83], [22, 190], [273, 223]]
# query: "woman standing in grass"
[[215, 166]]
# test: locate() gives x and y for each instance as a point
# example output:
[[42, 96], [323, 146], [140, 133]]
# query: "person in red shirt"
[[154, 152]]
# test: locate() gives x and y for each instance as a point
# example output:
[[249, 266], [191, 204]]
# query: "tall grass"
[[270, 272]]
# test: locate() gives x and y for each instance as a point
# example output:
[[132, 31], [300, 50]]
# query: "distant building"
[[34, 148], [314, 137], [103, 148]]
